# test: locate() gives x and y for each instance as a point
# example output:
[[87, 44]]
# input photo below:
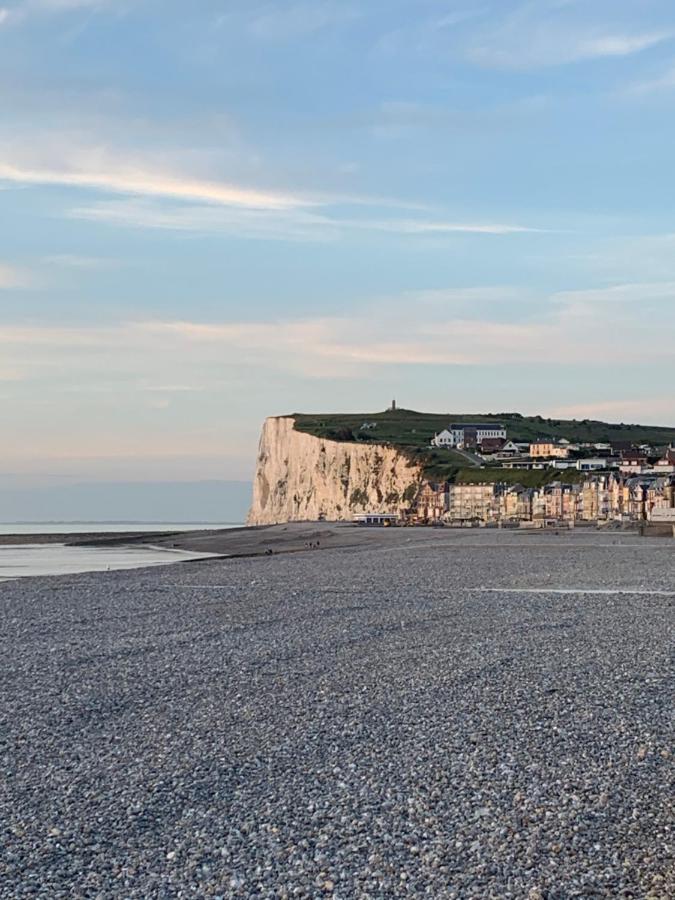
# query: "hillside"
[[407, 428], [411, 433]]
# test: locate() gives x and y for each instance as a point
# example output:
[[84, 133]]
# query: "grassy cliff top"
[[410, 429]]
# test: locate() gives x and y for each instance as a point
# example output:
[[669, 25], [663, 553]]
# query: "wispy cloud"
[[426, 35], [105, 169], [278, 22], [74, 261], [626, 409], [24, 9], [167, 190], [435, 227], [68, 5], [173, 174], [633, 294], [663, 83], [270, 224], [181, 352], [557, 49], [286, 225], [352, 345], [552, 34], [11, 277]]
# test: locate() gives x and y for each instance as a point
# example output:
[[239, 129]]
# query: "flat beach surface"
[[394, 713]]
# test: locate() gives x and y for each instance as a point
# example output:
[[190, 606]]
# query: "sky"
[[218, 211]]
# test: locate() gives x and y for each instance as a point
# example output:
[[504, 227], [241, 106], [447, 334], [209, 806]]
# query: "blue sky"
[[218, 211]]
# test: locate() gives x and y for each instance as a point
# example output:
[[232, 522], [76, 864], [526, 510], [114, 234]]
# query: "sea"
[[108, 527], [27, 559]]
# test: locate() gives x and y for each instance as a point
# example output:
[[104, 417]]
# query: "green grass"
[[407, 428], [527, 477]]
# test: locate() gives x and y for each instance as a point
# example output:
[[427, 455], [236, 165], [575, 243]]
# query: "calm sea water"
[[107, 527], [23, 560]]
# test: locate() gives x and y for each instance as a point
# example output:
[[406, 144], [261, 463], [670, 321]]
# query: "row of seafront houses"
[[622, 483], [599, 498]]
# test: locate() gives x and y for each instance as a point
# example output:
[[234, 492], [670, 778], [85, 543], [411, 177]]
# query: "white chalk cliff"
[[300, 477]]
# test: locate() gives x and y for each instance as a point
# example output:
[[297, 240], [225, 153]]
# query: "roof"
[[496, 443], [633, 454], [478, 425]]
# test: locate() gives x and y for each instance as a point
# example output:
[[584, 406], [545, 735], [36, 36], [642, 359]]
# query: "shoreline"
[[269, 540], [298, 538]]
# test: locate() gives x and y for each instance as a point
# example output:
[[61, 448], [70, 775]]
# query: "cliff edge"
[[300, 477]]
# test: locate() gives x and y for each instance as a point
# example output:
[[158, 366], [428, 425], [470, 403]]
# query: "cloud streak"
[[29, 8], [663, 84], [285, 225], [158, 191], [11, 277], [127, 177], [181, 351], [556, 49], [542, 35], [278, 22]]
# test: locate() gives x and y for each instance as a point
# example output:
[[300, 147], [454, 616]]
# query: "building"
[[562, 502], [490, 446], [431, 504], [593, 464], [600, 497], [377, 519], [547, 449], [515, 504], [444, 439], [524, 463], [668, 459], [474, 502], [469, 434], [634, 461]]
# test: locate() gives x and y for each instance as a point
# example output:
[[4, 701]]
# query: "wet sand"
[[75, 538], [263, 540]]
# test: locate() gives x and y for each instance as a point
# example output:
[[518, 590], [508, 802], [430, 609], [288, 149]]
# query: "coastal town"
[[601, 482]]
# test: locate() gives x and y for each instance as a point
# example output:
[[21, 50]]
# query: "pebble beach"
[[398, 713]]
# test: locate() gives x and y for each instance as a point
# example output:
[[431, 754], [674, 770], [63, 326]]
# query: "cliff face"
[[303, 478]]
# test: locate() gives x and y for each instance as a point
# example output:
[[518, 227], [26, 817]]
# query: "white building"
[[595, 464], [457, 434], [444, 439]]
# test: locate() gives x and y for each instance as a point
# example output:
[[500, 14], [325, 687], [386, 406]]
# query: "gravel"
[[353, 723]]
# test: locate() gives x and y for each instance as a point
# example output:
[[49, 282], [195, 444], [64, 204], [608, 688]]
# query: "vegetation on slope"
[[412, 432], [533, 478], [407, 428]]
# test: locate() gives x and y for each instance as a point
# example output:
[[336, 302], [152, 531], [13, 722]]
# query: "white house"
[[510, 448], [444, 439], [595, 464]]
